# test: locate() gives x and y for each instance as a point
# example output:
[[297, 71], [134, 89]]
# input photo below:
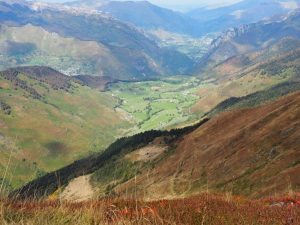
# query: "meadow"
[[179, 100], [157, 104]]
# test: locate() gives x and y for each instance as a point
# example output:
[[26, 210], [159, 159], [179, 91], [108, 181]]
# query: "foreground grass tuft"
[[204, 209]]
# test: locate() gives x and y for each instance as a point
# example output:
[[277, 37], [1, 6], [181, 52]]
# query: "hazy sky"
[[179, 4]]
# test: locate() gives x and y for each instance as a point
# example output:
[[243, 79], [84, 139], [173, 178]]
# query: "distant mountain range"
[[196, 22], [145, 15], [255, 42], [117, 49], [243, 12]]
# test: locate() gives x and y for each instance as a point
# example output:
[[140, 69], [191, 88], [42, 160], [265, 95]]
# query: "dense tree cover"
[[53, 78], [13, 76], [49, 183], [5, 108], [47, 75]]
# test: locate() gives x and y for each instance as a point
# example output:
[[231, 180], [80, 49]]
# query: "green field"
[[157, 104]]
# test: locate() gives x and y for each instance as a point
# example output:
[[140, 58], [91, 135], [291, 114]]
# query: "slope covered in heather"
[[252, 152]]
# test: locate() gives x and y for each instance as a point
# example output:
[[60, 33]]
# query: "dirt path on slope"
[[78, 190]]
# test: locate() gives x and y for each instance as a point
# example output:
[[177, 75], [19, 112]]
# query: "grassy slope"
[[243, 75], [249, 152], [50, 133], [32, 45]]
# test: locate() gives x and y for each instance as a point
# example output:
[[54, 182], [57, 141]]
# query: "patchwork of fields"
[[180, 100], [157, 104]]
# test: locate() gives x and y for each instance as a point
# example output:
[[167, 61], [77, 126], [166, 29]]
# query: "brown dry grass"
[[204, 209]]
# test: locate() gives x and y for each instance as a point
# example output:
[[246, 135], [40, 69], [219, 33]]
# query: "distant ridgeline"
[[49, 183], [256, 98], [57, 80]]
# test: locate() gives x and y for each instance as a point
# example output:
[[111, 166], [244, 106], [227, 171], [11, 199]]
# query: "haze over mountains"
[[196, 22], [119, 50], [243, 12], [134, 99], [145, 15], [274, 38]]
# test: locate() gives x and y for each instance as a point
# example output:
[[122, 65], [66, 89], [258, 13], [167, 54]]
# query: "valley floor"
[[204, 209]]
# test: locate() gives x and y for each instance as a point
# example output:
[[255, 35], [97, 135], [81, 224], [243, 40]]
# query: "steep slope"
[[245, 74], [243, 12], [122, 51], [48, 120], [252, 152]]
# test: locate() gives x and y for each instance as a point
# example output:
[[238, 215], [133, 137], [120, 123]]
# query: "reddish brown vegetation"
[[204, 209], [253, 152]]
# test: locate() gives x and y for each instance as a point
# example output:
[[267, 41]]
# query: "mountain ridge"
[[250, 39]]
